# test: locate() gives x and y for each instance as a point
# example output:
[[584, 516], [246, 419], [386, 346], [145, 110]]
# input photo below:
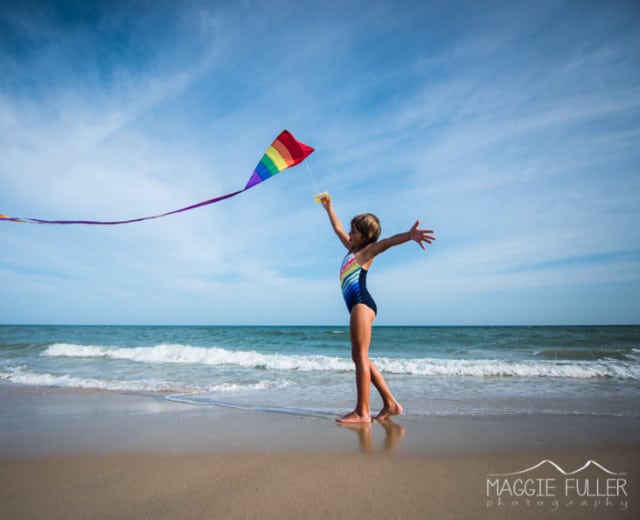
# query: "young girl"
[[363, 246]]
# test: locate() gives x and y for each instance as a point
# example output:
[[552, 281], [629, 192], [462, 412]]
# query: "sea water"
[[431, 370]]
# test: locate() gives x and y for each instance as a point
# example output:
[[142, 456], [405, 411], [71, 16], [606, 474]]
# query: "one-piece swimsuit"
[[353, 280]]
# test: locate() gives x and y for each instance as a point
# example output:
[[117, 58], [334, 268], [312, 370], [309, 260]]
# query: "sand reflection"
[[393, 433]]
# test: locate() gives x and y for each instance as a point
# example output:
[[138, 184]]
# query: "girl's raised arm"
[[415, 233], [335, 222]]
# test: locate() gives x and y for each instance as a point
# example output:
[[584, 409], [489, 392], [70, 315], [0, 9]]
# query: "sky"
[[512, 129]]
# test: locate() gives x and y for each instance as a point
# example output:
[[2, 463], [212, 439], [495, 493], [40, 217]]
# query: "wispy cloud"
[[514, 135]]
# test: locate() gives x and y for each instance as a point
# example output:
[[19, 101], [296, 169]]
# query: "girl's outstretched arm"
[[335, 222], [416, 234]]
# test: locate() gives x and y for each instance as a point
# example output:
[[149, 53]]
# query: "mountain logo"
[[547, 462]]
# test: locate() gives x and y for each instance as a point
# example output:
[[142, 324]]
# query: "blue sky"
[[511, 128]]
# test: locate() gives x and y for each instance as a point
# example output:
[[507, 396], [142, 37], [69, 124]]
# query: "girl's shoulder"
[[364, 256]]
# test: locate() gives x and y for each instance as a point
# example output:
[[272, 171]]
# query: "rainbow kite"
[[283, 153]]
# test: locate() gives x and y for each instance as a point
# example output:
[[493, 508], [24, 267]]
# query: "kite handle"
[[319, 197]]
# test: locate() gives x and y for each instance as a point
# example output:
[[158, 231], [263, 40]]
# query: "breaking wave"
[[215, 356]]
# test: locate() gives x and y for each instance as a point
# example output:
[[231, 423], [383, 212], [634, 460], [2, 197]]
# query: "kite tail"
[[116, 222]]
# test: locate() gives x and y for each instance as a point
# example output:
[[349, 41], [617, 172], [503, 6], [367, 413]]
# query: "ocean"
[[433, 371]]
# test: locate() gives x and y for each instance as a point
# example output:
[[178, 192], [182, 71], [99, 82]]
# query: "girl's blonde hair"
[[369, 227]]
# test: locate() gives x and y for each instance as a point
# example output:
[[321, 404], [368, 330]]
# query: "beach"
[[239, 422], [101, 454]]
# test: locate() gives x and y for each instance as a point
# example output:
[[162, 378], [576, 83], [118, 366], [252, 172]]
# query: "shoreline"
[[51, 421], [98, 454]]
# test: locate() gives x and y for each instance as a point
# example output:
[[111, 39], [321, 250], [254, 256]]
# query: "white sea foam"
[[205, 356], [495, 368], [260, 385], [215, 356], [24, 377], [20, 375]]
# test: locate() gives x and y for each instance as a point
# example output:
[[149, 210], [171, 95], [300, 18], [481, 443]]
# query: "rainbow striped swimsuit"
[[353, 280]]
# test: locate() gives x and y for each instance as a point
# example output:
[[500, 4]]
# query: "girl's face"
[[355, 237]]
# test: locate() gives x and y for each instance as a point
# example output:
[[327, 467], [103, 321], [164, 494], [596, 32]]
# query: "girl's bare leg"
[[366, 371], [360, 329], [389, 404]]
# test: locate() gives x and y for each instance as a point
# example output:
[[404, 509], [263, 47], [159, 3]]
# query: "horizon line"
[[311, 325]]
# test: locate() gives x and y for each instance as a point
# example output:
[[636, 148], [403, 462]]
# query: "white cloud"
[[525, 167]]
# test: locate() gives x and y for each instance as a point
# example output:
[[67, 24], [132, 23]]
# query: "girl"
[[363, 246]]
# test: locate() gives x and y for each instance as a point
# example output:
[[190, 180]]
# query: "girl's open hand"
[[421, 235]]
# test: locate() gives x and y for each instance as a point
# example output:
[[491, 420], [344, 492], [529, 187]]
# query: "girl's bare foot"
[[388, 411], [354, 417]]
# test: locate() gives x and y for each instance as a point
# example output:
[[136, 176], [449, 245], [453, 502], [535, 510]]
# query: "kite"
[[283, 153]]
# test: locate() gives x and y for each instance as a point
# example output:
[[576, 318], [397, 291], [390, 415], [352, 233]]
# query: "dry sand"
[[286, 485]]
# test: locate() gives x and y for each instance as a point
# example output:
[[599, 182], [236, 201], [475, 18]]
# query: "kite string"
[[313, 179]]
